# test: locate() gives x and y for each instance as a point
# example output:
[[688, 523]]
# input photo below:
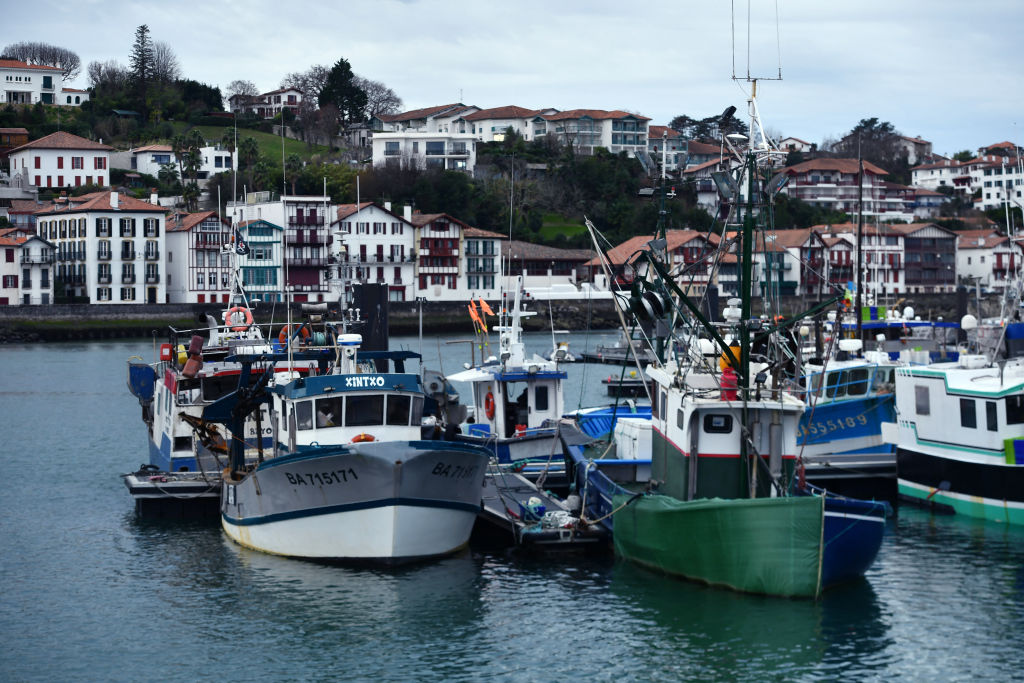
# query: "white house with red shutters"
[[373, 244], [198, 267], [26, 270], [107, 246], [61, 160]]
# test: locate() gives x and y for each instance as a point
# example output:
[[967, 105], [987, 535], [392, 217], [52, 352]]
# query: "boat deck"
[[174, 495], [506, 520]]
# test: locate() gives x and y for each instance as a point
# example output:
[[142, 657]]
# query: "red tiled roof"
[[279, 91], [507, 112], [72, 90], [661, 131], [187, 221], [14, 131], [154, 148], [25, 206], [703, 148], [16, 64], [62, 140], [420, 113], [701, 167], [841, 165], [593, 114], [470, 231], [346, 210], [100, 201]]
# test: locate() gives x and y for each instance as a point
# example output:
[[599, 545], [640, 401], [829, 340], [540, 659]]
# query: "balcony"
[[26, 283], [103, 255], [128, 255], [29, 258], [305, 221], [128, 278], [152, 278], [152, 254], [307, 261], [104, 279], [302, 237], [76, 279]]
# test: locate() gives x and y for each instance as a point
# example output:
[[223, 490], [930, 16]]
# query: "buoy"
[[230, 319]]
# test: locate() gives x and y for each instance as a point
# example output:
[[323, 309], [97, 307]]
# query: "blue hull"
[[853, 534], [838, 424]]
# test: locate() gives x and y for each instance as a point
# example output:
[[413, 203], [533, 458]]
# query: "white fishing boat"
[[349, 476]]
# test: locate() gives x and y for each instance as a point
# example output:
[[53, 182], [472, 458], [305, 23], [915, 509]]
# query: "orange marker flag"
[[485, 308], [476, 317]]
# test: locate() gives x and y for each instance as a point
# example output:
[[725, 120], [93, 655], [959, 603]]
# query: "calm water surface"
[[92, 593]]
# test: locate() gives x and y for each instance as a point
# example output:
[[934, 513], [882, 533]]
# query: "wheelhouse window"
[[921, 400], [857, 381], [968, 415], [992, 416], [1014, 409], [398, 409], [833, 385], [329, 412], [304, 415], [718, 424], [541, 398], [364, 411]]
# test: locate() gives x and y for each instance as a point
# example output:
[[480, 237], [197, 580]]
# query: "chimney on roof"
[[407, 213], [387, 206], [154, 198], [113, 200]]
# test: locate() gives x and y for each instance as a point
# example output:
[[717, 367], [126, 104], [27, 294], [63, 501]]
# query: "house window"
[[60, 162], [10, 281], [99, 163], [38, 162], [77, 162]]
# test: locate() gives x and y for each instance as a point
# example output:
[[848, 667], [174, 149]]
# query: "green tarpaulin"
[[771, 546]]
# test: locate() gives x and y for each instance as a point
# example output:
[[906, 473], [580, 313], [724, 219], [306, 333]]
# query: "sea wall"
[[68, 322]]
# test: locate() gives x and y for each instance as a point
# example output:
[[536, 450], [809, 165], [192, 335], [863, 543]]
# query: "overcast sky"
[[949, 71]]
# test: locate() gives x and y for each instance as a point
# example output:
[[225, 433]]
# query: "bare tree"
[[165, 63], [45, 54], [240, 87], [380, 99], [310, 82], [108, 76]]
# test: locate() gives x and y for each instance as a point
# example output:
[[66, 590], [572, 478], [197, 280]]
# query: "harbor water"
[[93, 593]]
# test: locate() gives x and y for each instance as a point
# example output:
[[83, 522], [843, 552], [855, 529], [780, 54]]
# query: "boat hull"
[[985, 490], [375, 501], [770, 546]]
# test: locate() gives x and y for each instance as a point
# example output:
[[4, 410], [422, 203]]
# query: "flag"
[[485, 308], [241, 246], [474, 315]]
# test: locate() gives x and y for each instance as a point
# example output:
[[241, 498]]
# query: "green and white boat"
[[960, 435]]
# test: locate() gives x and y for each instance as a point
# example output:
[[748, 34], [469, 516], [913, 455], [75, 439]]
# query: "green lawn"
[[555, 224], [270, 145]]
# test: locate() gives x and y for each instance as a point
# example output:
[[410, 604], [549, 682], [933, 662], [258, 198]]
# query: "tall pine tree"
[[141, 64]]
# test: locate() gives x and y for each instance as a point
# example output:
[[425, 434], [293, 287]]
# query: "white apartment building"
[[60, 160], [489, 125], [584, 130], [987, 258], [30, 83], [26, 268], [832, 184], [108, 247], [148, 159], [198, 262], [1000, 180], [944, 173], [374, 245], [436, 137]]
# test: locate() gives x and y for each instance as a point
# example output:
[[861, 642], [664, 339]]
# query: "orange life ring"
[[489, 405], [229, 314], [282, 338], [361, 438]]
